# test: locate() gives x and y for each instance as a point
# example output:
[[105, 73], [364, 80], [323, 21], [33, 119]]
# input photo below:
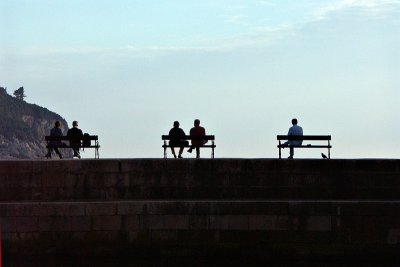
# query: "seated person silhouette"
[[76, 135], [297, 131], [177, 136], [197, 131], [54, 145]]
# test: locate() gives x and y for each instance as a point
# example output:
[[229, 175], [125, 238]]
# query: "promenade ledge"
[[261, 207]]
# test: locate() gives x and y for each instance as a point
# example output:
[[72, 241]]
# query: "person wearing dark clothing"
[[75, 134], [177, 139], [197, 131], [54, 145]]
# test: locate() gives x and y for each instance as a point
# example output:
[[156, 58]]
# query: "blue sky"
[[127, 69]]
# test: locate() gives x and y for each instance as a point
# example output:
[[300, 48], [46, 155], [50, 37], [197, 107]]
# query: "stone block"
[[94, 180], [280, 223], [59, 209], [131, 223], [104, 223], [49, 193], [131, 207], [261, 222], [101, 208], [164, 236], [136, 178], [54, 224], [74, 180], [220, 207], [176, 221], [229, 222], [17, 166], [101, 165], [193, 207], [161, 207], [393, 236], [111, 180], [80, 223], [52, 180], [198, 222], [18, 209], [8, 224], [151, 222], [319, 223], [26, 224]]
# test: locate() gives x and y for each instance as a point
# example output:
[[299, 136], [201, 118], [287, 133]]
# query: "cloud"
[[373, 7]]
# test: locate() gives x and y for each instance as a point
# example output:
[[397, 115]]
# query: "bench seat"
[[211, 138], [304, 138], [94, 138]]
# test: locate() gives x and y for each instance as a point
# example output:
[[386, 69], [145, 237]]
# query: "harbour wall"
[[259, 207]]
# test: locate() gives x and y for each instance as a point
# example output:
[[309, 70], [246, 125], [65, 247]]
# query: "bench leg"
[[280, 155], [329, 150], [165, 152]]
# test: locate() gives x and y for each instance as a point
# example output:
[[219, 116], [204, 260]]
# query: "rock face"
[[23, 127]]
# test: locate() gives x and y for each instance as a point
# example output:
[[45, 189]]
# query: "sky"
[[127, 69]]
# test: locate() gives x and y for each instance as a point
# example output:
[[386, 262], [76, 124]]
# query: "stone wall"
[[260, 207]]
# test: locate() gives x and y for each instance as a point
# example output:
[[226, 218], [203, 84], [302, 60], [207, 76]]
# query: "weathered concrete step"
[[37, 227], [118, 179]]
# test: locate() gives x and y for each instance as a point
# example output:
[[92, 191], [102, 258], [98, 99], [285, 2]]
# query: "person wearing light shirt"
[[294, 130]]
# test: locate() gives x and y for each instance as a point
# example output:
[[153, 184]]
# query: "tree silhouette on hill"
[[20, 93]]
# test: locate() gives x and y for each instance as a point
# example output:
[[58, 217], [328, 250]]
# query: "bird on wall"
[[324, 156]]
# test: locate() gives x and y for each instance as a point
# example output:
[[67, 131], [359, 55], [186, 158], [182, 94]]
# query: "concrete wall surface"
[[256, 206]]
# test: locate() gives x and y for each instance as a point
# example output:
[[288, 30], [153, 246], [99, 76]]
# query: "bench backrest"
[[188, 137], [66, 138], [304, 137]]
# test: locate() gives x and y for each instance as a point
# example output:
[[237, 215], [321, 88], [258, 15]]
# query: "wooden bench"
[[94, 138], [305, 138], [187, 138]]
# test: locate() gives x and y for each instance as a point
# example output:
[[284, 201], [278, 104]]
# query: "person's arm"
[[183, 135]]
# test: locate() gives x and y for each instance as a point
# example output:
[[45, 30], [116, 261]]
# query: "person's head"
[[294, 121], [57, 124], [74, 124], [196, 122], [176, 124]]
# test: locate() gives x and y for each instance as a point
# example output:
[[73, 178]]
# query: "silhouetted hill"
[[23, 127]]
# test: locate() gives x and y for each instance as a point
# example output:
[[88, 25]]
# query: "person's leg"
[[76, 151], [191, 148], [180, 152], [58, 152], [197, 152], [48, 155], [173, 151], [291, 152]]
